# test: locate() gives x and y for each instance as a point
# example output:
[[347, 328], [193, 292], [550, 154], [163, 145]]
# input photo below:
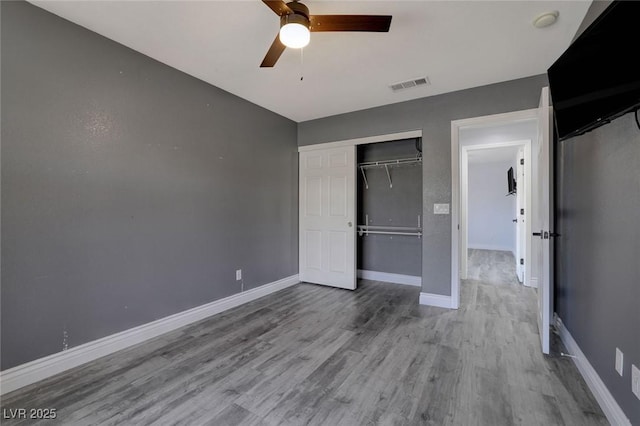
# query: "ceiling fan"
[[296, 24]]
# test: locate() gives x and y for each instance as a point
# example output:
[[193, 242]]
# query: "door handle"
[[350, 224], [546, 235], [515, 221]]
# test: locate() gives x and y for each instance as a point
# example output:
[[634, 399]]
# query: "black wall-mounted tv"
[[511, 182], [597, 78]]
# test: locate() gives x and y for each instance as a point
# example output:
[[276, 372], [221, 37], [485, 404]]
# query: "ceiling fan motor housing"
[[300, 15]]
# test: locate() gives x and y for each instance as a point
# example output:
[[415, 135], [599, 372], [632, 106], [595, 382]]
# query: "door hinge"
[[522, 261], [522, 211], [522, 161]]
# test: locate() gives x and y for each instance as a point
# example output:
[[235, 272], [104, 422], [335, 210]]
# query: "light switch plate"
[[238, 274], [441, 209], [635, 381], [619, 361]]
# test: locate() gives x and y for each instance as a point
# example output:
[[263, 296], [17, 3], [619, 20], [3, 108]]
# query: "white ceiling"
[[457, 44]]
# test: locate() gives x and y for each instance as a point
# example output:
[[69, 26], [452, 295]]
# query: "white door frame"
[[353, 142], [464, 200], [363, 141], [521, 204], [458, 222]]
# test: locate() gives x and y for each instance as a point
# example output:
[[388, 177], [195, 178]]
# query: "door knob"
[[545, 235], [350, 224]]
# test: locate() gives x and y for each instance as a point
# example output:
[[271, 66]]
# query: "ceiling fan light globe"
[[295, 35]]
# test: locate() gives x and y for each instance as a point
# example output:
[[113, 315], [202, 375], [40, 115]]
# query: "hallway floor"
[[492, 267]]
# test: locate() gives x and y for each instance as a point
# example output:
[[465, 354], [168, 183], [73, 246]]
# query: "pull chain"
[[301, 64]]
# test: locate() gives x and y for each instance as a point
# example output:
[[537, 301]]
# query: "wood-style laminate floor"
[[317, 355], [492, 267]]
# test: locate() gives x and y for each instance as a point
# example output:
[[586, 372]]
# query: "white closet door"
[[327, 217]]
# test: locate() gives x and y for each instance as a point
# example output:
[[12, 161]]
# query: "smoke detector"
[[546, 19]]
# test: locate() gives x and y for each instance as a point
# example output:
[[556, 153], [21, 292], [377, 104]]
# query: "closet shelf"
[[386, 164]]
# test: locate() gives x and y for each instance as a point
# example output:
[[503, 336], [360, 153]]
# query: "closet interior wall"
[[397, 206]]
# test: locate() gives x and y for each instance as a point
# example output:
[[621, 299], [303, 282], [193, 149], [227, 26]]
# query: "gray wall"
[[597, 267], [397, 206], [433, 115], [597, 283], [130, 191]]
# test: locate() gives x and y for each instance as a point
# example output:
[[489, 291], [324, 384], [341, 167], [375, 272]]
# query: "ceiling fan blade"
[[273, 54], [278, 6], [372, 23]]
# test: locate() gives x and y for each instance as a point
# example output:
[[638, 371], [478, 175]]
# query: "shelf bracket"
[[386, 164], [364, 177], [388, 176]]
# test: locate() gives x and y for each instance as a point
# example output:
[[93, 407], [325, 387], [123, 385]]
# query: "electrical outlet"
[[635, 381], [238, 274], [619, 361]]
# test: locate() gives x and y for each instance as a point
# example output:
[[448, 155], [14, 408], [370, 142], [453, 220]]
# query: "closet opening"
[[389, 211]]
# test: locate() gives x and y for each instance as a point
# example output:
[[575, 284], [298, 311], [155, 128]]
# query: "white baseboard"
[[490, 247], [534, 282], [39, 369], [609, 406], [390, 278], [438, 300]]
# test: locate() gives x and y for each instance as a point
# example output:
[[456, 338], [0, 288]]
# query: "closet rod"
[[391, 162], [392, 233], [393, 228], [389, 230]]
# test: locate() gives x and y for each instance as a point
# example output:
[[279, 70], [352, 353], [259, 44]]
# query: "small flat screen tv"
[[511, 182], [597, 79]]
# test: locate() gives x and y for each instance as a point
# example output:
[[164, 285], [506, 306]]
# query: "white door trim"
[[456, 154], [363, 141], [521, 203]]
